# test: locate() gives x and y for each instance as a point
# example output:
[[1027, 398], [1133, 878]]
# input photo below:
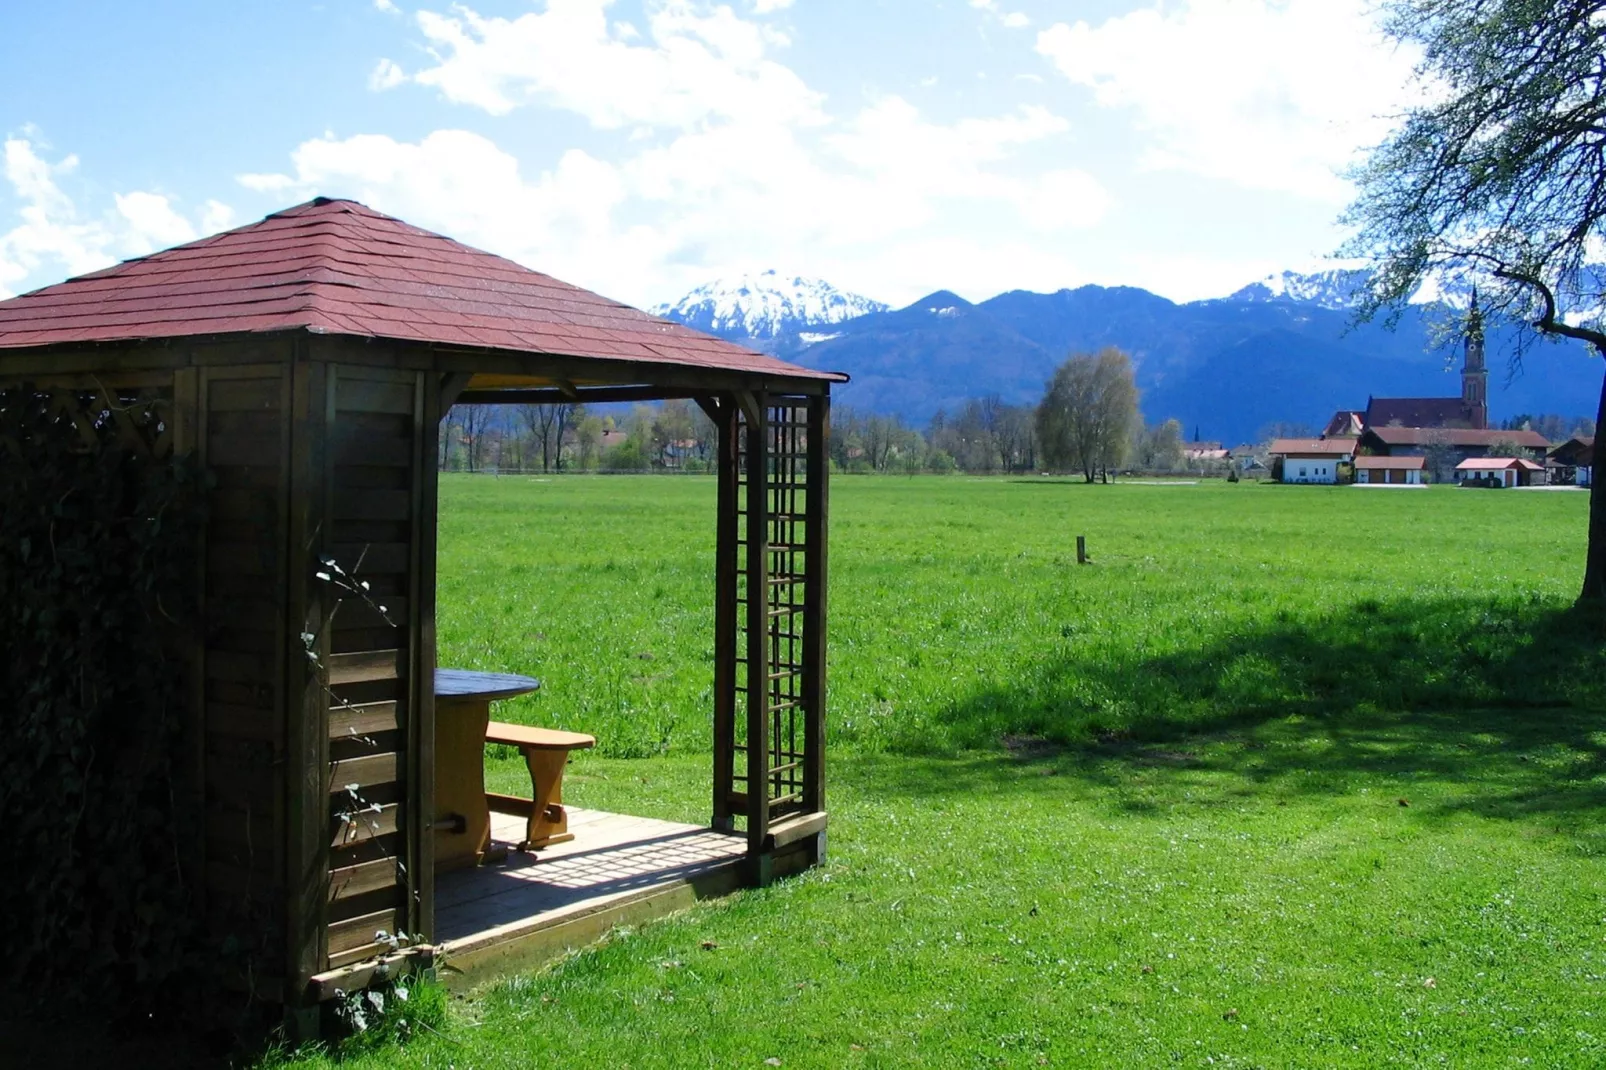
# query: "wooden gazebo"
[[306, 361]]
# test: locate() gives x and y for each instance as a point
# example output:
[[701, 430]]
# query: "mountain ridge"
[[764, 306], [1282, 350]]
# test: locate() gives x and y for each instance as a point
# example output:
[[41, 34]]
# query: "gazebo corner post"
[[307, 730], [816, 528], [757, 638], [727, 565], [431, 402]]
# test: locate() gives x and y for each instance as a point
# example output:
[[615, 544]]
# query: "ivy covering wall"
[[98, 546]]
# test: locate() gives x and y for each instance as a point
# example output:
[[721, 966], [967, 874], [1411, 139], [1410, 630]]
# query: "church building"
[[1470, 411], [1431, 435]]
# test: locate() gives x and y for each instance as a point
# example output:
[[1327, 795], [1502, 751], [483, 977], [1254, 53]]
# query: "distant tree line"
[[1087, 422], [671, 436]]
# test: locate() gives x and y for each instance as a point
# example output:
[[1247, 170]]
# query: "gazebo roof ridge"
[[335, 266]]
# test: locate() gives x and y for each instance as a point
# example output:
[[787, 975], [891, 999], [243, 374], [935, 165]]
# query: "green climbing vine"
[[100, 815]]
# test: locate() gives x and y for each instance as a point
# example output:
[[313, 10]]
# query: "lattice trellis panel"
[[139, 419], [775, 691]]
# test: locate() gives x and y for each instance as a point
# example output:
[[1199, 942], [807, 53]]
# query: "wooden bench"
[[546, 752]]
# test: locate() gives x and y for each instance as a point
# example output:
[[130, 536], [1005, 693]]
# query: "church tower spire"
[[1474, 376]]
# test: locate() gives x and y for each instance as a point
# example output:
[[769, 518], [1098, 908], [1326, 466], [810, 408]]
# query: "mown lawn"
[[1287, 777]]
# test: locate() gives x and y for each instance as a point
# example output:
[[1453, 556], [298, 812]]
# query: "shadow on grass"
[[1502, 702]]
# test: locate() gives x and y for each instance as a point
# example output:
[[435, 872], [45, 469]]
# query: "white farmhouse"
[[1312, 460]]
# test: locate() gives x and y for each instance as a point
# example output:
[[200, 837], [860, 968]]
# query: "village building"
[[1571, 463], [1312, 460], [1470, 410], [1418, 440], [1444, 448], [1390, 471], [1346, 423], [1500, 471], [1202, 451]]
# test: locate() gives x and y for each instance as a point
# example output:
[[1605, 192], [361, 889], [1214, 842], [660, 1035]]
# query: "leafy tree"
[[588, 438], [1086, 417], [1498, 177], [1159, 449], [941, 462]]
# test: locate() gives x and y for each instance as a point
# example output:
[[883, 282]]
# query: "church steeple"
[[1474, 376]]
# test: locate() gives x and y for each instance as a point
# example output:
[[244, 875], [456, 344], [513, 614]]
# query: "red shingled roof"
[[1455, 436], [1497, 464], [1416, 412], [1317, 447], [339, 267], [1398, 464]]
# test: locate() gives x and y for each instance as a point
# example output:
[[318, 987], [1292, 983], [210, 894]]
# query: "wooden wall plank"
[[365, 772], [347, 882], [359, 932], [365, 827], [351, 722], [367, 559], [374, 505], [387, 610], [245, 395], [242, 722], [364, 665], [368, 395]]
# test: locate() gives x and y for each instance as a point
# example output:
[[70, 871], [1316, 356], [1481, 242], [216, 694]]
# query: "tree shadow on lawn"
[[1504, 697]]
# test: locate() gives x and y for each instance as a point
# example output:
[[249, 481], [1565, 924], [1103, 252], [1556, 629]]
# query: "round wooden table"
[[462, 710]]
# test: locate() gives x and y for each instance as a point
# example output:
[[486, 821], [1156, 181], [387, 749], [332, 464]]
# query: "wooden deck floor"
[[617, 870]]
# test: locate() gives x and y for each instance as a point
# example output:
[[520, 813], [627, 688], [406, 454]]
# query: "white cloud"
[[53, 238], [152, 222], [1271, 94], [700, 66], [387, 74], [463, 184], [387, 6], [666, 215], [1065, 199], [216, 217], [766, 7], [1012, 19], [712, 156]]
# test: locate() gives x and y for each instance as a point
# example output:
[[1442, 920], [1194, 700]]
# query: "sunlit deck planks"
[[618, 869]]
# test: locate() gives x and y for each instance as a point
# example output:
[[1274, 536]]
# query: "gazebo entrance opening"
[[521, 905]]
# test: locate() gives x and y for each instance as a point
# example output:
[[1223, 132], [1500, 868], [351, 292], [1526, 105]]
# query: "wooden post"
[[306, 701], [757, 646], [429, 397], [726, 567], [817, 498], [1081, 549]]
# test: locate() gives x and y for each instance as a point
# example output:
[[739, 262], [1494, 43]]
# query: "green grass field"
[[1286, 777]]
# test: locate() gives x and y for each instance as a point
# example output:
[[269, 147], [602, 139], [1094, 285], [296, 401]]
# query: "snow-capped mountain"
[[1336, 288], [767, 307]]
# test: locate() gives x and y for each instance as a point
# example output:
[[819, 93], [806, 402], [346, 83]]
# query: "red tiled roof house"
[[1311, 460], [1500, 471]]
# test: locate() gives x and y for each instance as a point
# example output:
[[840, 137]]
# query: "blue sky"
[[640, 147]]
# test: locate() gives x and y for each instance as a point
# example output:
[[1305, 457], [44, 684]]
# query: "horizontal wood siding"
[[244, 437], [373, 463]]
